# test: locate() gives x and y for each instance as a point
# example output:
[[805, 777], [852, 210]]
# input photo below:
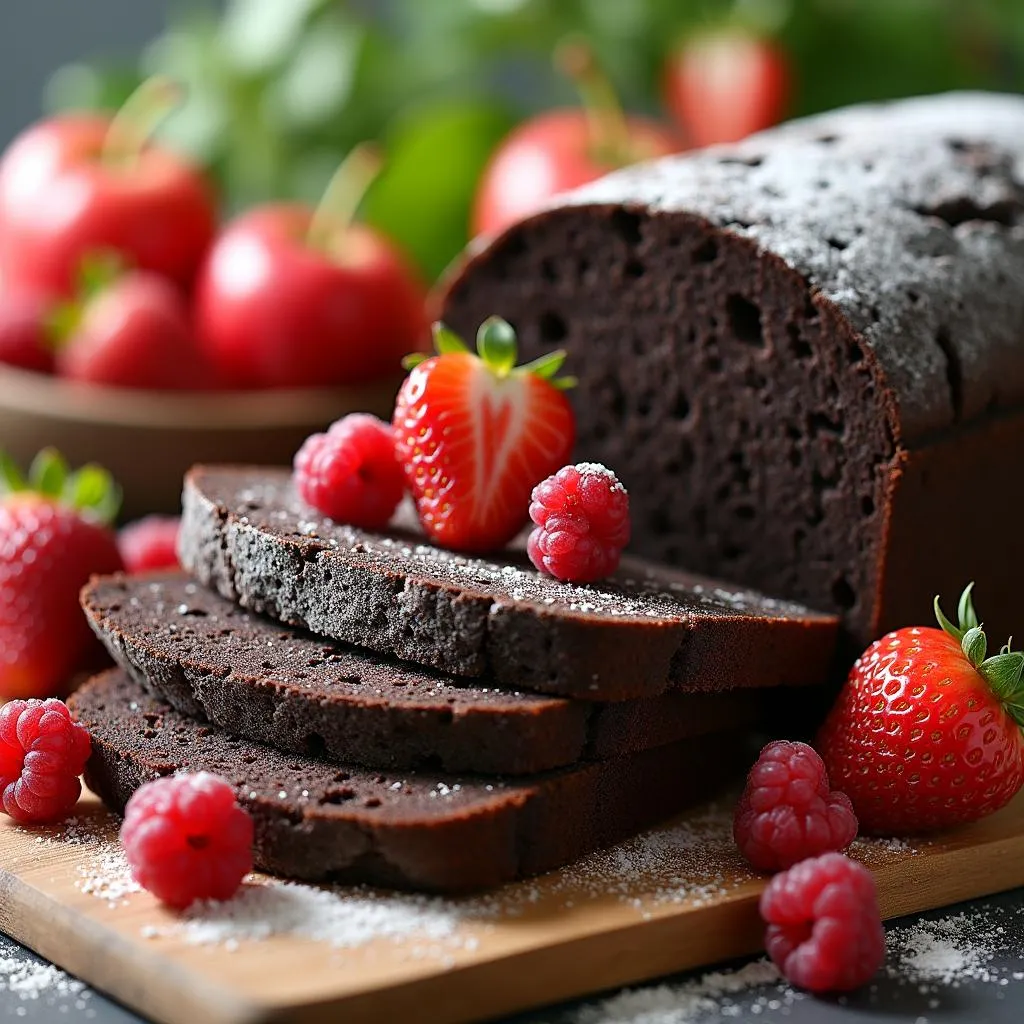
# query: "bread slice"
[[442, 833], [801, 352], [284, 687], [649, 629]]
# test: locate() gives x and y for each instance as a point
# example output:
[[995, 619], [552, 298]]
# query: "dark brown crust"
[[246, 534], [358, 826], [770, 336], [291, 690]]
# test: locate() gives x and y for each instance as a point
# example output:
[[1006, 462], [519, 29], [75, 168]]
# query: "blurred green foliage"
[[279, 90]]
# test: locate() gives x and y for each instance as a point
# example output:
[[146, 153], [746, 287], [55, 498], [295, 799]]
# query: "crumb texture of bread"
[[646, 630], [414, 830], [777, 341], [281, 686]]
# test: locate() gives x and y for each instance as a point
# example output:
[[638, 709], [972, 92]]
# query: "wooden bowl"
[[147, 439]]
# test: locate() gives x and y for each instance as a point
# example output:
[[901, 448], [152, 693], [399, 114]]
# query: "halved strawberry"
[[476, 434]]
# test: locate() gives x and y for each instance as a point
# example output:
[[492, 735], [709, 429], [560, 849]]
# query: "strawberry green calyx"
[[90, 490], [1004, 672], [97, 271], [498, 348]]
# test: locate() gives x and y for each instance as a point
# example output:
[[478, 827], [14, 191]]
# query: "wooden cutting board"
[[677, 898]]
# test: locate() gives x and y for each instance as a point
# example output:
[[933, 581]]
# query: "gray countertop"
[[958, 965]]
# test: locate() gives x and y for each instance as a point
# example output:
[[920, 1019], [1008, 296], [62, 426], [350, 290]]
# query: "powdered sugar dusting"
[[693, 862], [926, 961], [949, 950], [692, 1000], [343, 919], [598, 469], [26, 978]]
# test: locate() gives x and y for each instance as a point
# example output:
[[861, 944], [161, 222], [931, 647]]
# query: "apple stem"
[[344, 193], [606, 120], [133, 125]]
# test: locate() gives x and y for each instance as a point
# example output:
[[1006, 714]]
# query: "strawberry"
[[128, 328], [475, 434], [926, 732], [53, 537], [723, 85]]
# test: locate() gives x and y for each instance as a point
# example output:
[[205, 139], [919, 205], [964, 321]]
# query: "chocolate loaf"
[[647, 630], [800, 353], [319, 822], [211, 659]]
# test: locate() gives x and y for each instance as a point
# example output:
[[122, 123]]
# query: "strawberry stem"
[[496, 344], [606, 120], [1004, 672], [90, 490], [497, 347], [133, 125], [345, 191], [97, 271]]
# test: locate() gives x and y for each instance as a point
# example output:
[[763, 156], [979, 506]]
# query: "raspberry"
[[824, 928], [42, 753], [582, 517], [149, 543], [351, 473], [786, 811], [186, 839]]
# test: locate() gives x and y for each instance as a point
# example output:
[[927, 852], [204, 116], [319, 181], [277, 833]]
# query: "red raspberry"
[[150, 543], [351, 473], [786, 811], [582, 517], [824, 928], [186, 839], [42, 753]]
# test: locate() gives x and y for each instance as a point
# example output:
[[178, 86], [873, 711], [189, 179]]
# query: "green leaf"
[[99, 269], [317, 80], [11, 479], [947, 626], [1004, 671], [496, 343], [61, 322], [446, 340], [565, 383], [435, 156], [93, 490], [256, 35], [546, 366], [413, 359], [48, 473], [974, 645], [965, 610]]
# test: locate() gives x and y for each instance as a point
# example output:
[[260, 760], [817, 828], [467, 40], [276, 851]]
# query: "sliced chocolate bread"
[[801, 353], [281, 686], [648, 629], [318, 822]]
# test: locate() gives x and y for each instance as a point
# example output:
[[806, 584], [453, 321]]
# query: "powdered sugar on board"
[[690, 862]]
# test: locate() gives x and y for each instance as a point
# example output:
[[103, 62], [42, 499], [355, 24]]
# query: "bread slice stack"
[[395, 714]]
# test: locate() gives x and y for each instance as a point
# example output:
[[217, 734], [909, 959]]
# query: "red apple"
[[82, 183], [24, 336], [722, 86], [563, 149], [292, 297], [134, 333]]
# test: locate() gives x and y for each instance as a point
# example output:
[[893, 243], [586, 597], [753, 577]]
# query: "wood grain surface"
[[677, 898]]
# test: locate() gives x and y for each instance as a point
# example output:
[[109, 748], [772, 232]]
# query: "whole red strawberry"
[[53, 537], [128, 329], [476, 434], [926, 732]]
